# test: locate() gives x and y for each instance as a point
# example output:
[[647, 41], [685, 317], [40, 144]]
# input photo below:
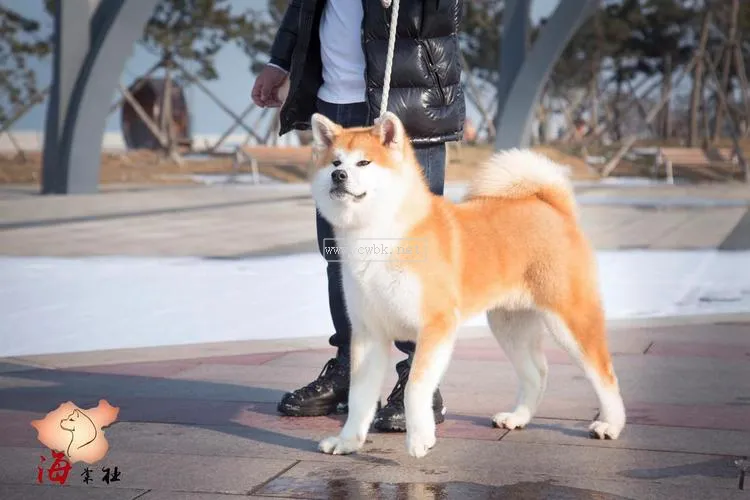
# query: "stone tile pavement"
[[236, 221], [199, 422]]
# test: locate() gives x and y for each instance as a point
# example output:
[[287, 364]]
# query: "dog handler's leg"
[[369, 360], [431, 359]]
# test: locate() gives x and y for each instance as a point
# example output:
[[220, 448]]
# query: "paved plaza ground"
[[197, 421]]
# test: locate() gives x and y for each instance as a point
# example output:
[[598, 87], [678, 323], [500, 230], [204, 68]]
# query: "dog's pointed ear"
[[324, 131], [390, 131]]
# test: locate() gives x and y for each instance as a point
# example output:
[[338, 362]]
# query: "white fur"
[[383, 303], [369, 360], [378, 292], [520, 335], [384, 299], [420, 420], [611, 418], [516, 300], [383, 188], [518, 173]]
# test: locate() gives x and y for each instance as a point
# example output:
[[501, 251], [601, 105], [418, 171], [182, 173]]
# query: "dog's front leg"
[[431, 359], [369, 359]]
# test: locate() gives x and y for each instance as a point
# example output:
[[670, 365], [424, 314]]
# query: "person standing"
[[332, 53]]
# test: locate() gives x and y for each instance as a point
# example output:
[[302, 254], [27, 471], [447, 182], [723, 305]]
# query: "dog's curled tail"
[[516, 174]]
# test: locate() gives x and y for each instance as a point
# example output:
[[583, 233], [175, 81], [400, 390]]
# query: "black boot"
[[392, 417], [327, 394]]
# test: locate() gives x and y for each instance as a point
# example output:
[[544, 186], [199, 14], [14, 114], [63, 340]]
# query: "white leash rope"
[[389, 58]]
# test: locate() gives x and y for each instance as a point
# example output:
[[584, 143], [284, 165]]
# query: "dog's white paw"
[[510, 420], [335, 445], [419, 443], [604, 430]]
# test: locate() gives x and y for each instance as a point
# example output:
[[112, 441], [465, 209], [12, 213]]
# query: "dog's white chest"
[[383, 298]]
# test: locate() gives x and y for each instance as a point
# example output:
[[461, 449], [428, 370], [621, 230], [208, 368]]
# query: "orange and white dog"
[[513, 249]]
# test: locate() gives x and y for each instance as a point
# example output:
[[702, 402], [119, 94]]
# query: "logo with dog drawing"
[[76, 432]]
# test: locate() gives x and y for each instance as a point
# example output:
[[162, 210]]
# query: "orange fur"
[[514, 249], [526, 242]]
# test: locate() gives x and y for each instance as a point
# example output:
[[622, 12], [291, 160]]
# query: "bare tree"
[[728, 55], [697, 90]]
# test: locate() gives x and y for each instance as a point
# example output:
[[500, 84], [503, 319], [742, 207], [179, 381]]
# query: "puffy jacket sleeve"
[[286, 37]]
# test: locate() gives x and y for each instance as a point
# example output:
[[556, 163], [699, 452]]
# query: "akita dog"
[[513, 249]]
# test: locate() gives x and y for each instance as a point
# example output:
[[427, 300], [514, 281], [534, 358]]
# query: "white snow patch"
[[52, 305]]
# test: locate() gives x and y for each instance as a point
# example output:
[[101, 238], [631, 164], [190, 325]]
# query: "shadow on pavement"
[[226, 407]]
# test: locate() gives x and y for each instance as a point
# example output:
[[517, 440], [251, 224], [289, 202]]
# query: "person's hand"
[[266, 89]]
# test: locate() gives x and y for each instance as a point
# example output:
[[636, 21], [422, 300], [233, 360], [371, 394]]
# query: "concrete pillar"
[[77, 114], [516, 111], [71, 43], [513, 44]]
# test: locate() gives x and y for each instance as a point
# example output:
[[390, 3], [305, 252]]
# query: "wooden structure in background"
[[149, 93], [717, 163]]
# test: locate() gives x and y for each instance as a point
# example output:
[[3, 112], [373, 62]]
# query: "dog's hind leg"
[[520, 334], [582, 333], [369, 360]]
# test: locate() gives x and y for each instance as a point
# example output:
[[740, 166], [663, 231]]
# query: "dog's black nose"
[[338, 176]]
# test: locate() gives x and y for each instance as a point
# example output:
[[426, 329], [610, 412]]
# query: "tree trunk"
[[728, 53], [744, 85], [594, 91], [733, 130], [706, 121], [595, 69], [630, 140], [616, 118], [641, 110], [666, 114], [542, 129], [166, 109], [697, 90]]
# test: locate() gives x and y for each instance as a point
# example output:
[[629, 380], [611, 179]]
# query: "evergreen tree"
[[20, 41], [192, 32], [480, 37], [662, 41], [259, 33]]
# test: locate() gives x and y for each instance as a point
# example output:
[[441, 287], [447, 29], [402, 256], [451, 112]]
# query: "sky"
[[234, 84]]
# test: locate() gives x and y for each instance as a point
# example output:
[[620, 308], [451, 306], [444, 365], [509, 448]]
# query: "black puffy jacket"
[[426, 92]]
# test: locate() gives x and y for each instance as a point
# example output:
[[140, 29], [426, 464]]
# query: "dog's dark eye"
[[336, 163], [363, 163]]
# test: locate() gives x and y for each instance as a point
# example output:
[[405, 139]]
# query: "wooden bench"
[[296, 158], [712, 163], [723, 155]]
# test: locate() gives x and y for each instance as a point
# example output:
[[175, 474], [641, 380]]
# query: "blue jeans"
[[432, 160]]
